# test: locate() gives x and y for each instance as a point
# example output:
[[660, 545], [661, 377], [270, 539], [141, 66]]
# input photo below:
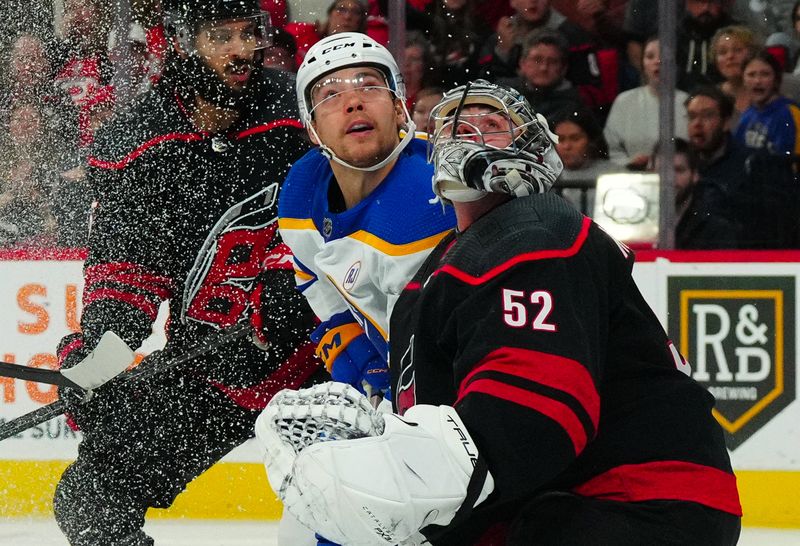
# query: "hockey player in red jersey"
[[186, 182], [539, 400]]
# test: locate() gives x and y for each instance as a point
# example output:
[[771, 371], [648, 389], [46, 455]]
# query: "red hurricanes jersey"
[[530, 324]]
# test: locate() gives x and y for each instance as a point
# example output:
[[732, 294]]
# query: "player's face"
[[573, 144], [228, 48], [760, 82], [483, 124], [706, 127], [356, 115]]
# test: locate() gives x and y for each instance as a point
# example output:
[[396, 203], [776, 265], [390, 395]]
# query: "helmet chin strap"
[[411, 128]]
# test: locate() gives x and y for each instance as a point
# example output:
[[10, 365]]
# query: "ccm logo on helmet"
[[337, 46]]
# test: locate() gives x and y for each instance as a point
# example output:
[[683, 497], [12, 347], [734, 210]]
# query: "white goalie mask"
[[487, 138]]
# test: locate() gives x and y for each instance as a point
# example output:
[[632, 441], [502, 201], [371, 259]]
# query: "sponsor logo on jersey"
[[738, 333], [351, 276]]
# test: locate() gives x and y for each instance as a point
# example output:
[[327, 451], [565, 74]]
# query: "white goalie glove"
[[362, 478]]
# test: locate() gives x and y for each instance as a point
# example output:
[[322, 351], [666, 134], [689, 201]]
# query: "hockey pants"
[[142, 455]]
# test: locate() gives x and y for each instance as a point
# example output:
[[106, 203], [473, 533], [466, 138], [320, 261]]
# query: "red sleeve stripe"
[[269, 126], [463, 276], [555, 410], [667, 480], [557, 372], [129, 274], [122, 163], [137, 282], [139, 302]]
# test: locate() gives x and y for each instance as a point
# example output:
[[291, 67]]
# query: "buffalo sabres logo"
[[327, 227], [351, 276]]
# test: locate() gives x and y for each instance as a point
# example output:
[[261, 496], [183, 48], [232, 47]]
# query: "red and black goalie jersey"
[[530, 324]]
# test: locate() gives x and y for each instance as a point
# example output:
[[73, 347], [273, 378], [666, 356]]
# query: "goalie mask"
[[487, 138]]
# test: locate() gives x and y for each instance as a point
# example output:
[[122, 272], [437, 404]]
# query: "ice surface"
[[44, 532]]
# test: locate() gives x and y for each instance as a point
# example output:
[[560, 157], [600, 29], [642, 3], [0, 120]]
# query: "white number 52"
[[515, 309]]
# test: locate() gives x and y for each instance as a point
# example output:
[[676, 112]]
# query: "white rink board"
[[34, 292]]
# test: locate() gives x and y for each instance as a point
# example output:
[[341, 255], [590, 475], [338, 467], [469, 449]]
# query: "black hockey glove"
[[281, 317], [79, 411]]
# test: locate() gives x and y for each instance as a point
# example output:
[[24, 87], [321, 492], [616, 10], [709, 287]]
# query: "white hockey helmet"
[[339, 51], [344, 50], [466, 167]]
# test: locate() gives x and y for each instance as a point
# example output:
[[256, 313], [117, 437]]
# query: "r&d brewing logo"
[[738, 334]]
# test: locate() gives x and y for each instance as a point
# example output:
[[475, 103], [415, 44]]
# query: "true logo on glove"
[[466, 442]]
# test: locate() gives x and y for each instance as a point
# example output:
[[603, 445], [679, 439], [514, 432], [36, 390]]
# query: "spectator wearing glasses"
[[542, 74]]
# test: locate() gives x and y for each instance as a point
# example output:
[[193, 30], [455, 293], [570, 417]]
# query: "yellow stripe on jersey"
[[302, 275], [795, 111], [398, 250], [370, 239], [296, 223]]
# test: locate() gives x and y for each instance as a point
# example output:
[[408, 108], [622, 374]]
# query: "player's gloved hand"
[[94, 369], [359, 477], [71, 351], [350, 356], [280, 314]]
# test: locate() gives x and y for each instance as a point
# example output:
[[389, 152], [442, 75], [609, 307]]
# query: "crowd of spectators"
[[591, 67]]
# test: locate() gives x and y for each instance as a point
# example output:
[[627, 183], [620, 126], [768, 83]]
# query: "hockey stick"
[[39, 375], [161, 364]]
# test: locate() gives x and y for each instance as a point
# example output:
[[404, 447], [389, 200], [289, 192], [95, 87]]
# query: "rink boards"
[[734, 315]]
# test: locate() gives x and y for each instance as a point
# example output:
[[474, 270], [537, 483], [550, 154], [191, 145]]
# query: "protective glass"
[[330, 93]]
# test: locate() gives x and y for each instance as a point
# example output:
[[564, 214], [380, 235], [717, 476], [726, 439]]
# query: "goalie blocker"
[[396, 475]]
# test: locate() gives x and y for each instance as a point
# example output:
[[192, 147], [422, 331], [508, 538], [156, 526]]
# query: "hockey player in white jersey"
[[357, 211]]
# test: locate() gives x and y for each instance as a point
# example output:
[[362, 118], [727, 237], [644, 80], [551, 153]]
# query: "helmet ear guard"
[[465, 170]]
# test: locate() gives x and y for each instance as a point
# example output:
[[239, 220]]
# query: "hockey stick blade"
[[110, 358], [45, 413], [39, 375]]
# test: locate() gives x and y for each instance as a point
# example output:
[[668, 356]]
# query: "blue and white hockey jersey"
[[357, 262]]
